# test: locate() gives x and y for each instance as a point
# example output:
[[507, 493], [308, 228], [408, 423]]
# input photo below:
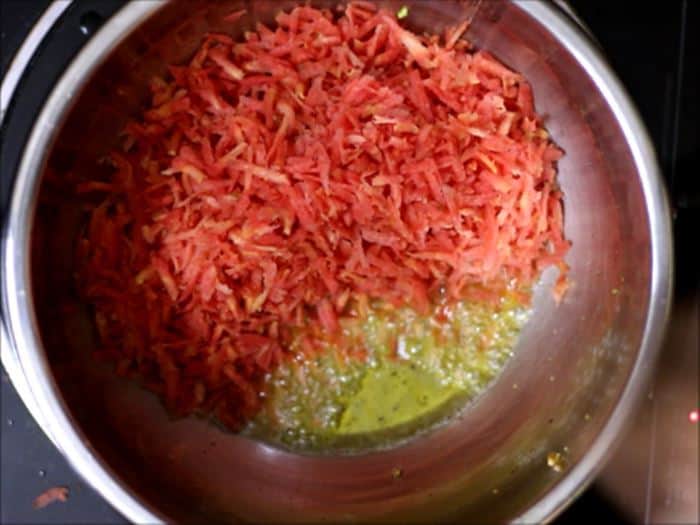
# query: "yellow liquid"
[[419, 370]]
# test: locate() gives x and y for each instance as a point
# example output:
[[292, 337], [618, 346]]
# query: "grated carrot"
[[281, 181], [50, 496]]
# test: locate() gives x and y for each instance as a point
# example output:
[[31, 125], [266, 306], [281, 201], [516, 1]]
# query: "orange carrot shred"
[[278, 183], [49, 496]]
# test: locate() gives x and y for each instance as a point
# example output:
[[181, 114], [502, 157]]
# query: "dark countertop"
[[642, 45], [31, 464]]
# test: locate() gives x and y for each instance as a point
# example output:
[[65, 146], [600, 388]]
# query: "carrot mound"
[[277, 184]]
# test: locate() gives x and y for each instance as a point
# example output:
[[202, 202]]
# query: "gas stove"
[[654, 475]]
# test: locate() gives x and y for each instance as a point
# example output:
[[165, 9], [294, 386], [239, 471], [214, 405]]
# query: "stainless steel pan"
[[578, 374]]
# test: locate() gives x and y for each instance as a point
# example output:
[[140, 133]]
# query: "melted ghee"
[[418, 371]]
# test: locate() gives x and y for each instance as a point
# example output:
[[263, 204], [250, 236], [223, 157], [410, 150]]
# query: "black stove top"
[[648, 43]]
